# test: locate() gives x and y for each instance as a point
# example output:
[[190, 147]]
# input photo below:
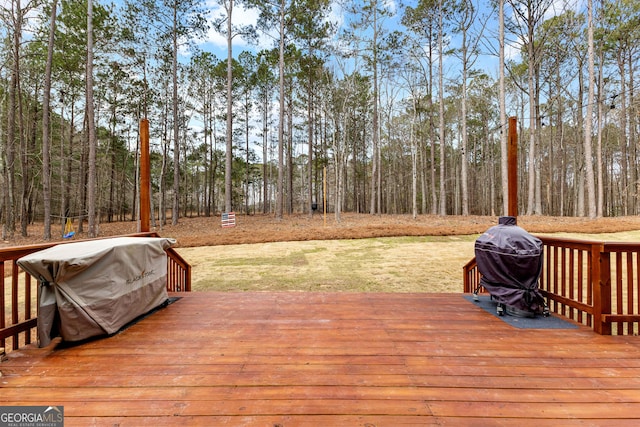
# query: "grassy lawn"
[[395, 264]]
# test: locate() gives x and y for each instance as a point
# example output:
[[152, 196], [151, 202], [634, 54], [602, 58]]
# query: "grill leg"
[[476, 291]]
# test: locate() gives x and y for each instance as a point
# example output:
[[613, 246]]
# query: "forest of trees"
[[390, 108]]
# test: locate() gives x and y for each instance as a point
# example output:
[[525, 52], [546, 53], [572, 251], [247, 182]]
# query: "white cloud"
[[243, 17], [512, 51], [336, 14], [391, 6], [240, 17], [558, 7]]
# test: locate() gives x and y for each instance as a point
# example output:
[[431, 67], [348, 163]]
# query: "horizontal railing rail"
[[19, 291], [593, 283]]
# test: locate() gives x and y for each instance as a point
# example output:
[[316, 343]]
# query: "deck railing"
[[19, 291], [593, 283]]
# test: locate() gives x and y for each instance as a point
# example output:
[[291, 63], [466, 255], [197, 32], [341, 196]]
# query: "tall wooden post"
[[512, 164], [145, 177], [601, 285]]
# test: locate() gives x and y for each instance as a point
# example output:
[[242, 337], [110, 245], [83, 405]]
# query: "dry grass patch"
[[390, 264], [396, 264]]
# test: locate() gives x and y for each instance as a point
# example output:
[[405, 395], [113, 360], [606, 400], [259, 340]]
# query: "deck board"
[[308, 359]]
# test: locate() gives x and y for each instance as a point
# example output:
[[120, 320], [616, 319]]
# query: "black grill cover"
[[510, 261]]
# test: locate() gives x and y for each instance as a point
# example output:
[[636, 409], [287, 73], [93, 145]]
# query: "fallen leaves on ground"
[[260, 228]]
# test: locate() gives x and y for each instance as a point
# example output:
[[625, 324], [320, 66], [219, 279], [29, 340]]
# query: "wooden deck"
[[332, 359]]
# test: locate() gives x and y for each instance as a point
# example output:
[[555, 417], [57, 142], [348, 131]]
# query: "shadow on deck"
[[343, 359]]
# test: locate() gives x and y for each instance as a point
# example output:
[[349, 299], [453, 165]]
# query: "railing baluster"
[[27, 305], [3, 313], [178, 280], [618, 287], [630, 296], [636, 300], [579, 267], [581, 282], [14, 303], [571, 282]]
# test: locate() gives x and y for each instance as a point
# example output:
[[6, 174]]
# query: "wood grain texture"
[[343, 359]]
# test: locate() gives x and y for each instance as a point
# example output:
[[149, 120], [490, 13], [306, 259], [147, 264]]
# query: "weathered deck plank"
[[308, 359]]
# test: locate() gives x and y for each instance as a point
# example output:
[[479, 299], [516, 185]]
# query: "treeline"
[[393, 111]]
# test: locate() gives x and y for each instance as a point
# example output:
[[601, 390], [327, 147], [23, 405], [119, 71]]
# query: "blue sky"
[[216, 43]]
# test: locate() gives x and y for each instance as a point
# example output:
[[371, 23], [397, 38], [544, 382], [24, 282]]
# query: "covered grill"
[[95, 287], [510, 262]]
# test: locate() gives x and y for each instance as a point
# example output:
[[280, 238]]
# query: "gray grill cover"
[[93, 288], [510, 261]]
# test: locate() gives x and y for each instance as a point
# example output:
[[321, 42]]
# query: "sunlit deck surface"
[[332, 359]]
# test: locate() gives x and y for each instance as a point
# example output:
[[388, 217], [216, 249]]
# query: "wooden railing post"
[[178, 280], [512, 160], [593, 283], [601, 285], [145, 177]]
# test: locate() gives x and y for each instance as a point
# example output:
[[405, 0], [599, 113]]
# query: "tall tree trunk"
[[310, 141], [247, 165], [176, 125], [163, 169], [423, 171], [9, 226], [111, 203], [228, 177], [91, 127], [375, 163], [623, 133], [68, 164], [588, 157], [414, 161], [537, 209], [599, 161], [265, 154], [289, 136], [213, 142], [532, 124], [633, 120], [443, 193], [463, 137], [28, 148], [339, 149], [504, 180], [432, 137], [24, 155], [46, 115], [579, 157], [280, 184], [64, 196]]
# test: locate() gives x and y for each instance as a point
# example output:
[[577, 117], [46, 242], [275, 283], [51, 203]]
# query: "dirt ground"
[[207, 231]]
